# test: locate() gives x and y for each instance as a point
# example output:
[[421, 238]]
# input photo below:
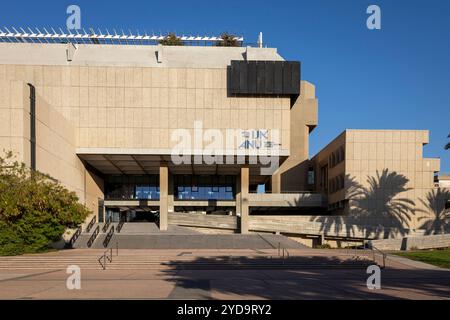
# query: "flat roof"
[[365, 130], [130, 55]]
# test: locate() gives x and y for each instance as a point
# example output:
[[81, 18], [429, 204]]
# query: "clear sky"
[[394, 78]]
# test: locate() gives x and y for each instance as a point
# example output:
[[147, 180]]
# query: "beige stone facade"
[[104, 111], [55, 140], [292, 175], [378, 176], [100, 110], [115, 105], [137, 108]]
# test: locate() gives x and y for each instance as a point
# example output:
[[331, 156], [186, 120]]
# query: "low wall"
[[387, 244], [408, 243], [284, 224], [203, 220], [320, 226], [285, 200], [308, 225]]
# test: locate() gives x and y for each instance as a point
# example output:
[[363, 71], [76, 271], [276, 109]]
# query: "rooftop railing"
[[42, 35]]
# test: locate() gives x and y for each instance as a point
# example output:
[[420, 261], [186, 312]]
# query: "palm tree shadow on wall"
[[338, 222], [377, 210], [385, 212], [435, 203]]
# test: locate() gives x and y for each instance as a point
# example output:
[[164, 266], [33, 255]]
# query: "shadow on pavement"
[[317, 277]]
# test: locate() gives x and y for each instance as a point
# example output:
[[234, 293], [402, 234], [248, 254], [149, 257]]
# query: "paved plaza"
[[165, 274]]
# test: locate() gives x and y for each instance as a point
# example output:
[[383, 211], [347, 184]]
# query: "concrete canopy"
[[129, 164]]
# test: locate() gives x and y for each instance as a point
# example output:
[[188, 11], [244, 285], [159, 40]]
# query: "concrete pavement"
[[398, 280]]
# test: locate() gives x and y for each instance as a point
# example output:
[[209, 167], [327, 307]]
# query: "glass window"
[[311, 176], [204, 187], [131, 187]]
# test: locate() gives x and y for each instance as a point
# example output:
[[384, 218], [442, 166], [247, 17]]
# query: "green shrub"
[[228, 40], [34, 209], [171, 40]]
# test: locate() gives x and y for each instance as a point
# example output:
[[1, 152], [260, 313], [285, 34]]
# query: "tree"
[[171, 40], [35, 210], [228, 40]]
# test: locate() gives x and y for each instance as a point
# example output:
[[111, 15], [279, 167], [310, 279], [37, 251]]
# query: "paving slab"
[[398, 281]]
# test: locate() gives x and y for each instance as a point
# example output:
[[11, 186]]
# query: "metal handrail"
[[119, 226], [108, 237], [105, 258], [91, 224], [287, 253], [74, 237], [351, 249], [93, 236], [374, 251], [106, 225], [282, 251], [103, 264], [384, 255]]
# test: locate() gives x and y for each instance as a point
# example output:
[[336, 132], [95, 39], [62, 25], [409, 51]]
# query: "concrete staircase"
[[148, 236], [88, 260], [50, 262], [192, 241], [139, 228], [85, 236], [234, 263]]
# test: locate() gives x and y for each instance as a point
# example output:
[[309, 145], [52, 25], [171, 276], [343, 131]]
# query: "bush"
[[228, 40], [171, 40], [34, 209]]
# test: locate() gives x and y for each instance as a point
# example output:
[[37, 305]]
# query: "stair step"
[[137, 238]]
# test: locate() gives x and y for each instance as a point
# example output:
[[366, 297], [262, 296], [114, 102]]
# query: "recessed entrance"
[[132, 214]]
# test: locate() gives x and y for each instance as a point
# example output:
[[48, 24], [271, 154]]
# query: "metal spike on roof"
[[83, 37]]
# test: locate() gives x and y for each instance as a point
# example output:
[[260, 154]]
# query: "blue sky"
[[394, 78]]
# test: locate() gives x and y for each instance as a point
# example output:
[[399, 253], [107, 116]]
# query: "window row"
[[131, 192], [196, 187], [186, 187], [336, 157], [337, 183]]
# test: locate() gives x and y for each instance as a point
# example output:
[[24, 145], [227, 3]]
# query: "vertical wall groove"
[[32, 127]]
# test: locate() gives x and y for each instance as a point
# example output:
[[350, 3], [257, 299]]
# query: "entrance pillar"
[[170, 194], [238, 195], [244, 201], [163, 196], [101, 210]]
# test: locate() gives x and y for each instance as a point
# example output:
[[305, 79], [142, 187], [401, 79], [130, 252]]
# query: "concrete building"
[[442, 180], [377, 177], [143, 132]]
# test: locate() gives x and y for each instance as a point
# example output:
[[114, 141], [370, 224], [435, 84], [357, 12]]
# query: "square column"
[[244, 184], [163, 196], [238, 195], [275, 183], [101, 210]]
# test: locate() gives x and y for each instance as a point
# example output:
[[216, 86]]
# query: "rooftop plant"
[[171, 40], [228, 40]]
